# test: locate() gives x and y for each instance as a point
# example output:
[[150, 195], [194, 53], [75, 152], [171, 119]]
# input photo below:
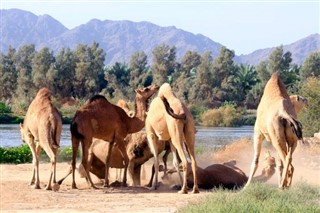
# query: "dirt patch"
[[17, 196]]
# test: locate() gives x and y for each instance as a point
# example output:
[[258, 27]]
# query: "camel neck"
[[138, 121]]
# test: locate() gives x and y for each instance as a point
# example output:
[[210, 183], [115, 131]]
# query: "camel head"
[[147, 92], [299, 102], [22, 133], [269, 164]]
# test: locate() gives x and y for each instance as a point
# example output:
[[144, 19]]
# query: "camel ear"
[[298, 97], [138, 91]]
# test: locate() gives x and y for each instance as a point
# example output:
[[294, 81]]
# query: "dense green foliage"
[[201, 81], [260, 197], [16, 155], [22, 154]]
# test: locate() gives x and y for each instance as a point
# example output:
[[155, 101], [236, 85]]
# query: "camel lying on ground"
[[169, 119], [42, 128], [276, 121], [99, 118], [138, 153], [299, 103], [227, 175]]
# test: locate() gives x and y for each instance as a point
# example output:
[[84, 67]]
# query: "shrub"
[[310, 117], [16, 155], [4, 108], [225, 116]]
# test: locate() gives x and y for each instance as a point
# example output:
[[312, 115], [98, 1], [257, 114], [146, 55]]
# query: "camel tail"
[[74, 131], [295, 125], [170, 110]]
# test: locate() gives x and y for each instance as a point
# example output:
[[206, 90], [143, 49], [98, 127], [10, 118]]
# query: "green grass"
[[261, 197]]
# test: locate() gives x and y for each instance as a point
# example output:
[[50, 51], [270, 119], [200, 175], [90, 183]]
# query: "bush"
[[16, 155], [197, 111], [310, 117], [226, 116], [4, 108]]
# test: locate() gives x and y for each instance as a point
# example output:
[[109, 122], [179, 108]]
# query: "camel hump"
[[97, 97], [44, 93]]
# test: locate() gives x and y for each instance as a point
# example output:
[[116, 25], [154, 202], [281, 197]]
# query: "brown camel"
[[299, 102], [138, 153], [42, 129], [169, 119], [227, 175], [100, 119], [276, 121]]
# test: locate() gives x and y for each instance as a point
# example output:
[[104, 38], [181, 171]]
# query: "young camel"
[[169, 119], [276, 121], [227, 175], [42, 129], [299, 103], [100, 119], [138, 153]]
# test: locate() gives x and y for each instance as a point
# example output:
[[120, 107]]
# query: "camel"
[[299, 102], [138, 153], [169, 119], [123, 104], [276, 121], [227, 175], [42, 128], [99, 118]]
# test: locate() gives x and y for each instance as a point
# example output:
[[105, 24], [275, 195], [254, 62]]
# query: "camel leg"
[[257, 142], [106, 177], [177, 140], [52, 157], [279, 169], [88, 167], [123, 151], [165, 159], [136, 177], [152, 142], [176, 162], [35, 149], [190, 140], [75, 146]]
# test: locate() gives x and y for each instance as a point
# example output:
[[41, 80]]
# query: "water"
[[210, 137]]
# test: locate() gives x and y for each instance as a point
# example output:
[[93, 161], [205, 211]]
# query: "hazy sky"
[[243, 26]]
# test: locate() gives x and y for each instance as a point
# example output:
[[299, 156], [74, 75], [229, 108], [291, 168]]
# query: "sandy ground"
[[18, 196]]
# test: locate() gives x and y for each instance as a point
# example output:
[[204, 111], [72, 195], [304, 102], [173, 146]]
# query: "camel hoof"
[[195, 191], [74, 186], [183, 191], [36, 187], [116, 184], [55, 187]]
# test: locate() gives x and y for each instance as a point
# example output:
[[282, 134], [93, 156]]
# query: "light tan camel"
[[42, 129], [227, 175], [100, 119], [138, 153], [276, 122], [169, 119], [299, 103]]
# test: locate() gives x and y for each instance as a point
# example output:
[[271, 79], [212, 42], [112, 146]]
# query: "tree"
[[138, 66], [244, 79], [311, 66], [65, 67], [185, 74], [42, 69], [89, 70], [201, 90], [223, 73], [164, 63], [25, 91], [118, 77], [8, 74]]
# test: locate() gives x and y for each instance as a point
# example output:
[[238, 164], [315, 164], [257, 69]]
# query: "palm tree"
[[245, 78]]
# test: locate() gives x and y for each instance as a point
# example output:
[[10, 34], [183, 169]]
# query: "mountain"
[[300, 50], [120, 39]]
